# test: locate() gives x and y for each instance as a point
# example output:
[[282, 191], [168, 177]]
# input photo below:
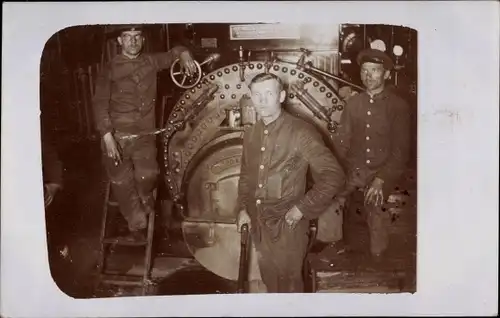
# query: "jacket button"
[[367, 125], [368, 161], [266, 132], [368, 150], [260, 185], [367, 138], [263, 148], [261, 167], [369, 113], [258, 202]]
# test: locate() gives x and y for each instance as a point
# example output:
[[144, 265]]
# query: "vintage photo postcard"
[[182, 157]]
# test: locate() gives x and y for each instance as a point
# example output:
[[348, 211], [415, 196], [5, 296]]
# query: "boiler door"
[[210, 226]]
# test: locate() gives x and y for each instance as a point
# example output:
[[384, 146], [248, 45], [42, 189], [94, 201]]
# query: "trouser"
[[134, 179], [281, 262], [377, 219]]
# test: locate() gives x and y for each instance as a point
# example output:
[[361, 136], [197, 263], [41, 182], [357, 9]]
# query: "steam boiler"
[[202, 135]]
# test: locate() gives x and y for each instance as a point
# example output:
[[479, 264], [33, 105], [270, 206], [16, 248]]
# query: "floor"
[[74, 224]]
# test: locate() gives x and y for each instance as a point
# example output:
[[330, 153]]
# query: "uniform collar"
[[380, 96], [276, 123]]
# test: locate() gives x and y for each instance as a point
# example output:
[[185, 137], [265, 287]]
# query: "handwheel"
[[181, 79]]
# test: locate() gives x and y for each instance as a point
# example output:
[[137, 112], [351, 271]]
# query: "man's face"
[[267, 97], [131, 42], [373, 75]]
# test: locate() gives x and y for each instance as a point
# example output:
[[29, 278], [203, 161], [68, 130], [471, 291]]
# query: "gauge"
[[378, 45], [397, 50]]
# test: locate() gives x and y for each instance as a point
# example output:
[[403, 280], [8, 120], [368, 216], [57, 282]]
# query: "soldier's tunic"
[[374, 141], [275, 162], [124, 103]]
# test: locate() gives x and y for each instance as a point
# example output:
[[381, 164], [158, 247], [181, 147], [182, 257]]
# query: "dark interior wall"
[[72, 57]]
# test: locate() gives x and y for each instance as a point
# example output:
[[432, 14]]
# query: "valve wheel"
[[181, 79]]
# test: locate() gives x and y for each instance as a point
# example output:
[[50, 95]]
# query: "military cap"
[[375, 56], [116, 30]]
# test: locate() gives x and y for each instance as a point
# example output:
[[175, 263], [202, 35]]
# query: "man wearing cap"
[[124, 105], [373, 140]]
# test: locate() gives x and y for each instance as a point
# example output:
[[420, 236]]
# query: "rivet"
[[198, 86], [171, 121], [291, 96], [301, 75], [316, 84], [276, 67], [177, 170], [174, 115], [169, 128], [238, 86], [219, 73], [233, 96], [227, 71], [322, 89], [329, 95], [340, 107], [251, 66], [212, 77], [335, 101], [308, 79], [222, 96], [187, 96], [259, 66], [182, 102], [226, 86], [293, 72], [235, 68], [284, 69], [193, 90]]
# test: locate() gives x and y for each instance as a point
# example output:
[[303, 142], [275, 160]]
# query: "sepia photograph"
[[218, 158], [249, 159]]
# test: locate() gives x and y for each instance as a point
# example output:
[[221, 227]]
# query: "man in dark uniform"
[[278, 151], [374, 141], [124, 105]]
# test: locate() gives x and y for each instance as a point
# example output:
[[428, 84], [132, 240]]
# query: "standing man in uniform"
[[124, 105], [374, 141], [278, 151]]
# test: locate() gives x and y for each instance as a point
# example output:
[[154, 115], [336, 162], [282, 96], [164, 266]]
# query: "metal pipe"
[[310, 102], [309, 67]]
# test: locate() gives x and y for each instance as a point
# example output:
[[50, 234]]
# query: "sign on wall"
[[264, 31]]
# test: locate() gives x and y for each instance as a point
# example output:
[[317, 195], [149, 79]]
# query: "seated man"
[[373, 139], [278, 151]]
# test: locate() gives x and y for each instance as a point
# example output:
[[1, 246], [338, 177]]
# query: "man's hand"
[[112, 148], [243, 218], [293, 216], [50, 192], [187, 63], [374, 195]]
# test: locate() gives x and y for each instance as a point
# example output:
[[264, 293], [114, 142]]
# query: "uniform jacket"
[[275, 163], [125, 92], [373, 139]]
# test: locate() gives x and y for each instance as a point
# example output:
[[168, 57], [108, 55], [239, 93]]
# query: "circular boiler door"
[[212, 188], [209, 227]]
